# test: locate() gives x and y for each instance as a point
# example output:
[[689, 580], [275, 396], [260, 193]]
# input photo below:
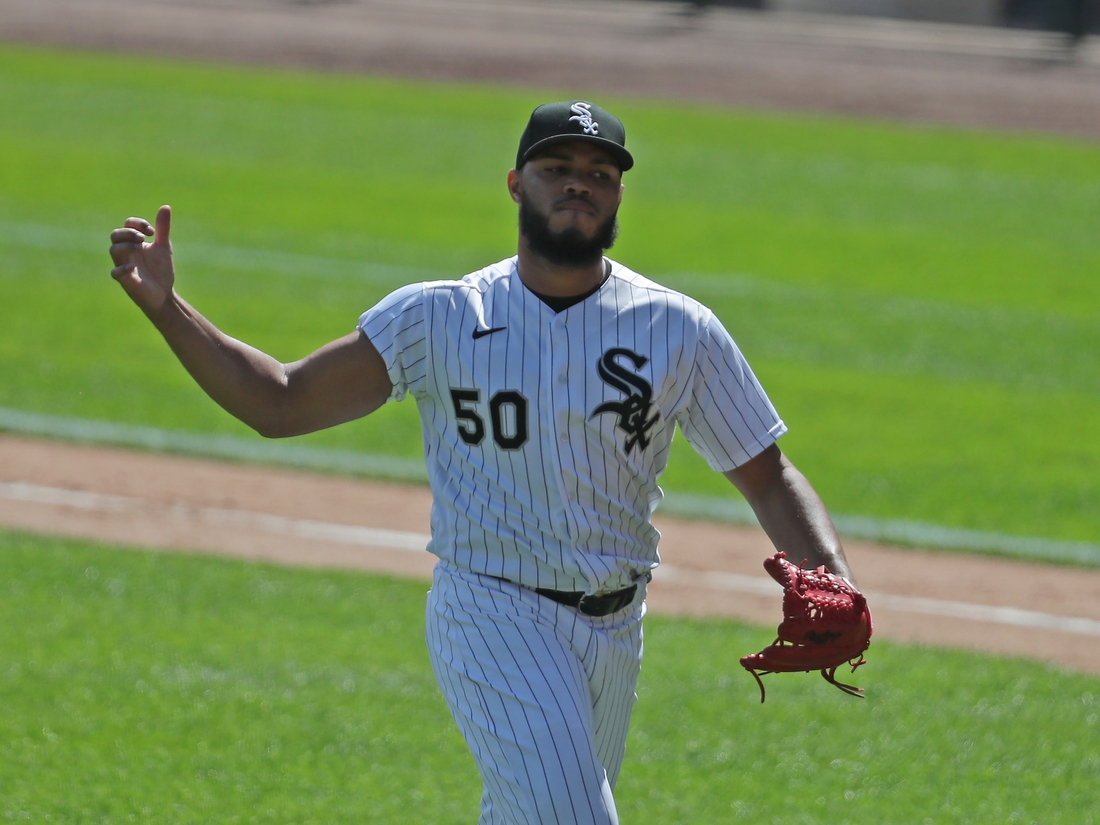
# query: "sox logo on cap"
[[583, 115]]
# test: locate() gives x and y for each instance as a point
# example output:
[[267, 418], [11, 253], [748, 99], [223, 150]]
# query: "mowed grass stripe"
[[891, 185], [920, 302], [868, 332], [171, 687]]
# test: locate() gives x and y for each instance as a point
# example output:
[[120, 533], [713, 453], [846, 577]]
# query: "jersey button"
[[564, 438]]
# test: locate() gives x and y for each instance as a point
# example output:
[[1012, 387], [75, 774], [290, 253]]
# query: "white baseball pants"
[[542, 694]]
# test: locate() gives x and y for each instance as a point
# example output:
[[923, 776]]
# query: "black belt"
[[602, 604]]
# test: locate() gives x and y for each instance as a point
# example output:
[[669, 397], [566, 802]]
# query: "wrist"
[[167, 312]]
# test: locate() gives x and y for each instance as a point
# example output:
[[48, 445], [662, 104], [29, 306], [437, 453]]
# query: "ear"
[[515, 187]]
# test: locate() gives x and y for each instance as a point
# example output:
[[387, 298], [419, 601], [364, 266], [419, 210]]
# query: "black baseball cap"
[[571, 120]]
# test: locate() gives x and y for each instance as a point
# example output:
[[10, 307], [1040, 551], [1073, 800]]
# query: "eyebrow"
[[559, 155]]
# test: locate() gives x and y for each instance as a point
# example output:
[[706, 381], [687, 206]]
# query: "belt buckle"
[[585, 605], [608, 603]]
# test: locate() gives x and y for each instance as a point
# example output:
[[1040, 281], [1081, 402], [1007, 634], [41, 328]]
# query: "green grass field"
[[146, 687], [921, 303]]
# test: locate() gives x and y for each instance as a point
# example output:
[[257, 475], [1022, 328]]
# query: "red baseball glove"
[[825, 624]]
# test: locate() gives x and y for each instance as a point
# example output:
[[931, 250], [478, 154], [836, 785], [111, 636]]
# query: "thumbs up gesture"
[[144, 267]]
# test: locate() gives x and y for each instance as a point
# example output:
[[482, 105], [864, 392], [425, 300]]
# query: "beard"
[[569, 247]]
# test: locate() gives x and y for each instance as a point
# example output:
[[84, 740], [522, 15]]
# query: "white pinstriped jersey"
[[545, 433]]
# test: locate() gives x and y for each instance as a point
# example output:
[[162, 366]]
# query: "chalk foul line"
[[409, 541], [760, 586], [214, 516]]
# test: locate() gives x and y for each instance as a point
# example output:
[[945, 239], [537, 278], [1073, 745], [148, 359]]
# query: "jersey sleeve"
[[729, 418], [396, 327]]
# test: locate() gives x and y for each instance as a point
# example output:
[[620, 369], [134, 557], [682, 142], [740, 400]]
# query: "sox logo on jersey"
[[634, 409]]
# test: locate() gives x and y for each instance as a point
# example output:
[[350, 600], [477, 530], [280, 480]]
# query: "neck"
[[546, 278]]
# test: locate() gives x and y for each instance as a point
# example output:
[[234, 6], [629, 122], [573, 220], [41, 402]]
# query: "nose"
[[576, 184]]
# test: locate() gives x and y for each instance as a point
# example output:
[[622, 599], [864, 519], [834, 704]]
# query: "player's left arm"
[[790, 511]]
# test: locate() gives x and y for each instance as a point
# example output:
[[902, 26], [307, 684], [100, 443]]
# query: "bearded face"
[[570, 246]]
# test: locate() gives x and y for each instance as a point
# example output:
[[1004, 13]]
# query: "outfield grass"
[[146, 687], [921, 303]]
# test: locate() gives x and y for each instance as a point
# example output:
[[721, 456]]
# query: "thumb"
[[163, 225]]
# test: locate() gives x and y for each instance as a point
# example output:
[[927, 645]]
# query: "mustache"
[[587, 201]]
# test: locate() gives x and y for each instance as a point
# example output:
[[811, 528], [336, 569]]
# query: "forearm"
[[341, 381], [796, 521], [790, 511], [247, 383]]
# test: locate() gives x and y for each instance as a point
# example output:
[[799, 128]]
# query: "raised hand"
[[145, 269]]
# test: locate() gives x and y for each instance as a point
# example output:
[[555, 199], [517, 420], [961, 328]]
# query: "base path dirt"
[[293, 517], [968, 75]]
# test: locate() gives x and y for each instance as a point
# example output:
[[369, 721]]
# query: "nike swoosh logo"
[[481, 333]]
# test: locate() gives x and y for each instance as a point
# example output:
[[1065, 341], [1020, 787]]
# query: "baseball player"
[[549, 386]]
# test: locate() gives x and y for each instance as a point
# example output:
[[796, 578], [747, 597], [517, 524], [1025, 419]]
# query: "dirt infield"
[[306, 519], [935, 74]]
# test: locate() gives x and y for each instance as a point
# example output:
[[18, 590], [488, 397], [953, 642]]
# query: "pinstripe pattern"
[[570, 508], [542, 694], [544, 437]]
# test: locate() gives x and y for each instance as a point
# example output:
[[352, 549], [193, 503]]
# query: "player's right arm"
[[341, 381]]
